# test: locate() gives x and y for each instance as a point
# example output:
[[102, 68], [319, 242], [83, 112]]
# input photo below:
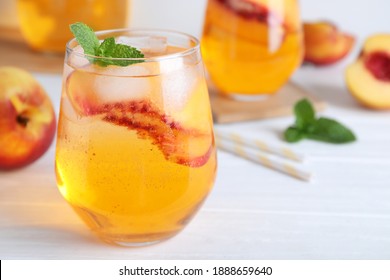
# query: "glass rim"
[[187, 51]]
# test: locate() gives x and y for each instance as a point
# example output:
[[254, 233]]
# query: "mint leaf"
[[126, 52], [104, 51], [304, 113], [293, 135], [107, 50], [321, 129], [86, 37], [331, 131]]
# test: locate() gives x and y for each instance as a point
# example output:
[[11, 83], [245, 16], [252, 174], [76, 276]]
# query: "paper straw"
[[261, 145], [260, 157]]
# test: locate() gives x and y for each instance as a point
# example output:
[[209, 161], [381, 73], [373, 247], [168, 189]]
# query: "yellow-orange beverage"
[[251, 46], [135, 150], [45, 23]]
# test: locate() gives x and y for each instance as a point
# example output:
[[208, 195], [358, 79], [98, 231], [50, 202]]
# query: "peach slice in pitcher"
[[250, 19]]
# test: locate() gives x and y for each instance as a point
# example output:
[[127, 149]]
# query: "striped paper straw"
[[260, 145], [260, 157]]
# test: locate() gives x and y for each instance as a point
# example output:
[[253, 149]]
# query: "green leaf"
[[107, 50], [124, 51], [293, 135], [86, 37], [304, 113], [322, 129], [331, 131]]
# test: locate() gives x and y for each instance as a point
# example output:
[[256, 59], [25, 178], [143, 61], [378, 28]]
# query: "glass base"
[[103, 228], [249, 97], [138, 240]]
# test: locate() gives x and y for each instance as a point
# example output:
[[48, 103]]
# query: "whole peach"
[[325, 44], [27, 119]]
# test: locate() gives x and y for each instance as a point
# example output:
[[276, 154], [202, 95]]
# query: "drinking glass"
[[135, 153], [251, 47], [45, 23]]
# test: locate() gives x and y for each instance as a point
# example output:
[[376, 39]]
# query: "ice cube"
[[117, 84], [156, 45], [276, 35], [76, 58], [171, 65], [178, 82], [94, 85], [133, 70], [148, 44]]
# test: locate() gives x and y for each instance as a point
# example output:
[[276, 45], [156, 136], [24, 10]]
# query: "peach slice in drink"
[[91, 86], [135, 100]]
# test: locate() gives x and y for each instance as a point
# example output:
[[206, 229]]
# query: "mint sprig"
[[108, 51], [321, 129], [86, 37]]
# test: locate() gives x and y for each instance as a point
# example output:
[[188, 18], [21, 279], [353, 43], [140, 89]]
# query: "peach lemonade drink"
[[135, 150], [45, 23], [251, 46]]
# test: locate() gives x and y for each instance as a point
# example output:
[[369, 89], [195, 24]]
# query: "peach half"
[[368, 78], [325, 44]]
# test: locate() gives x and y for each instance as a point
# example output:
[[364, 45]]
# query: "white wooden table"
[[252, 213]]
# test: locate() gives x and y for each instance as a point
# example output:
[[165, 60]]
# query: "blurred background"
[[362, 17], [359, 18]]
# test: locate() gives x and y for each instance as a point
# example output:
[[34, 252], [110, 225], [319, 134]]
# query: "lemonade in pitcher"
[[135, 150], [251, 46], [45, 23]]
